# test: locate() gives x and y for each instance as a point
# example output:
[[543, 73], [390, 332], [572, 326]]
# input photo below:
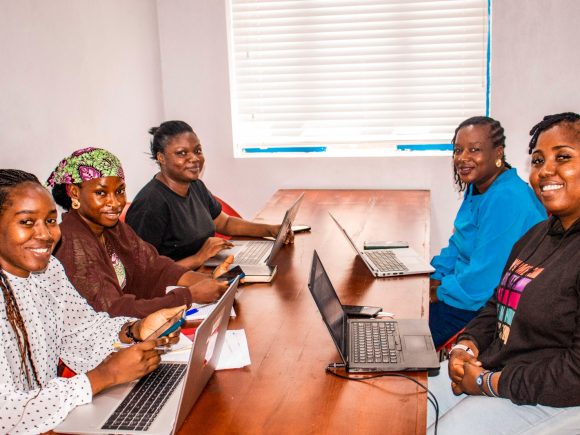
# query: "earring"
[[498, 163], [75, 203]]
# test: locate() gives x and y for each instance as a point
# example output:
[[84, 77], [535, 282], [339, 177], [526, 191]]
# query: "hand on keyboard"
[[213, 246]]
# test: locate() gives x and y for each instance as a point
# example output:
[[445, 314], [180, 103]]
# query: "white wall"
[[535, 67], [77, 73]]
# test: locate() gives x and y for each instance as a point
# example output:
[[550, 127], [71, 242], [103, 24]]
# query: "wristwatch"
[[462, 347]]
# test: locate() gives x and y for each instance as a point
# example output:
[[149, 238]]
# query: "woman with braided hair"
[[43, 318], [524, 346], [498, 208]]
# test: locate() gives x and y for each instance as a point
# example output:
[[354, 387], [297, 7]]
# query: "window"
[[355, 77]]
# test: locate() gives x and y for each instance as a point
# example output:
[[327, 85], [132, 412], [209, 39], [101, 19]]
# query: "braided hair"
[[9, 179], [567, 118], [496, 134], [163, 134]]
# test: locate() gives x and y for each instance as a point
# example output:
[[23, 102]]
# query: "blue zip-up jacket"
[[485, 229]]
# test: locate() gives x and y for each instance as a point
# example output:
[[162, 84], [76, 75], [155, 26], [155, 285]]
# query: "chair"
[[124, 212], [63, 371], [445, 348], [229, 210]]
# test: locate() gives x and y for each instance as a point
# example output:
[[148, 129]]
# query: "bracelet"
[[479, 382], [129, 332], [490, 386], [462, 347]]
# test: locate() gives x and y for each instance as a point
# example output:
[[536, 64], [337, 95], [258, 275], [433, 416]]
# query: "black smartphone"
[[361, 310], [231, 274], [385, 244], [298, 228]]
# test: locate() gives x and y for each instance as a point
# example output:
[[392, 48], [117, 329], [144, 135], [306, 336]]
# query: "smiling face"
[[28, 229], [555, 174], [182, 159], [101, 201], [474, 156]]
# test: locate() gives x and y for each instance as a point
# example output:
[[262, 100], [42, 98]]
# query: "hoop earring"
[[75, 203], [498, 163]]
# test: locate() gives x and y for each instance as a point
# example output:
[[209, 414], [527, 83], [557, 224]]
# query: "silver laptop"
[[389, 262], [372, 345], [138, 408], [258, 252]]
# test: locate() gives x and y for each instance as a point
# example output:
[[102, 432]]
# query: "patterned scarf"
[[84, 165]]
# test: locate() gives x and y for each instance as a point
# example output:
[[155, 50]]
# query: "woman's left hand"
[[468, 384], [224, 267], [433, 286], [155, 320]]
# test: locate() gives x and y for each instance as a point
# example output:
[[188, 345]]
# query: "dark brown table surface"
[[286, 389]]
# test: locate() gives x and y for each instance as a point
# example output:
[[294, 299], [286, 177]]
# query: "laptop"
[[148, 412], [389, 262], [258, 252], [372, 345]]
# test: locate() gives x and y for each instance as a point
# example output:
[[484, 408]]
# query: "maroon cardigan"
[[89, 268]]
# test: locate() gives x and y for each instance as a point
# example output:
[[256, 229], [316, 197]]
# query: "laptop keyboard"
[[375, 342], [141, 406], [253, 252], [386, 261]]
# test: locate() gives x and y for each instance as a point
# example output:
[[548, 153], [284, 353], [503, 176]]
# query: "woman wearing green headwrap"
[[106, 261]]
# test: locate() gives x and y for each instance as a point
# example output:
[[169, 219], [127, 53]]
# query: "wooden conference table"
[[286, 389]]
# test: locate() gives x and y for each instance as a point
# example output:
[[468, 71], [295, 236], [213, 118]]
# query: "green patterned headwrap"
[[84, 165]]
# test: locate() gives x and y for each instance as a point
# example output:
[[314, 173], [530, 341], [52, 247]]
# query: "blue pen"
[[196, 309], [191, 311]]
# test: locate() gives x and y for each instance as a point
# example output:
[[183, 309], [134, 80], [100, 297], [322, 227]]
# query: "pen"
[[196, 309], [118, 346]]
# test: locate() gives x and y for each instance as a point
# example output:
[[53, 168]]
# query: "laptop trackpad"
[[415, 343]]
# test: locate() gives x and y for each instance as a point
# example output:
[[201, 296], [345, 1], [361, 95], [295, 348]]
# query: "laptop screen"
[[286, 224], [328, 304]]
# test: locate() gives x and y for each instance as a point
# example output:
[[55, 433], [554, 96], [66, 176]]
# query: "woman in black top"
[[175, 212]]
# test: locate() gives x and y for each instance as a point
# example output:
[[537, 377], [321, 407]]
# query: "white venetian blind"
[[356, 74]]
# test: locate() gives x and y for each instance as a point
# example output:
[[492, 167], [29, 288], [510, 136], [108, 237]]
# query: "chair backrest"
[[229, 210], [124, 212]]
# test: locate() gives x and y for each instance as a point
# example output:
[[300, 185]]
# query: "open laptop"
[[258, 252], [372, 345], [147, 412], [389, 262]]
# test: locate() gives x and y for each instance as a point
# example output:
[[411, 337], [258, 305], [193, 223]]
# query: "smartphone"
[[379, 244], [171, 325], [300, 228], [231, 275], [361, 310]]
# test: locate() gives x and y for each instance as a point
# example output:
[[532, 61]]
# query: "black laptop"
[[372, 345]]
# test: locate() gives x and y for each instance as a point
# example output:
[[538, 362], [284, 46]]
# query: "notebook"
[[258, 253], [149, 412], [389, 262], [372, 345]]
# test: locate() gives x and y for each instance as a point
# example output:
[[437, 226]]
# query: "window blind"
[[358, 74]]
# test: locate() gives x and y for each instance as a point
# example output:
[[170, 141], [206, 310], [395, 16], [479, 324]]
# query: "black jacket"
[[539, 355]]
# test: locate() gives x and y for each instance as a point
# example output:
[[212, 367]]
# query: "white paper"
[[204, 311], [235, 353], [179, 351]]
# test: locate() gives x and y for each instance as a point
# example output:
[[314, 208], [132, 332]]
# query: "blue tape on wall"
[[285, 150], [426, 147]]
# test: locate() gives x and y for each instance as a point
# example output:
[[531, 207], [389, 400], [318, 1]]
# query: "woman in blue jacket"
[[498, 208]]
